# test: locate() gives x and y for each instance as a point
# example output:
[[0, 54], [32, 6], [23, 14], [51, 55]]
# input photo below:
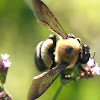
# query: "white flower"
[[7, 63], [5, 56], [96, 69], [91, 62], [92, 67], [5, 60]]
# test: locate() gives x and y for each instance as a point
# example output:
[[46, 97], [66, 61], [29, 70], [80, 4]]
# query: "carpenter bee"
[[65, 53]]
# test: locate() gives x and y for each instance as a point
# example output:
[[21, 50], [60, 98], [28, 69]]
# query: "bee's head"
[[84, 54]]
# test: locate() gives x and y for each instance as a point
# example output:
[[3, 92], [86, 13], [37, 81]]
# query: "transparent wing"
[[45, 17], [42, 82]]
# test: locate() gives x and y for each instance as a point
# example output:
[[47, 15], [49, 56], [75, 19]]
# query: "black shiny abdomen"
[[37, 58], [39, 61]]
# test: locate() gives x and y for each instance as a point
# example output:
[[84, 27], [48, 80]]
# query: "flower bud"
[[4, 65]]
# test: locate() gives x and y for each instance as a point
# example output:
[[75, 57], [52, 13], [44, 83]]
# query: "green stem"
[[1, 87], [58, 92]]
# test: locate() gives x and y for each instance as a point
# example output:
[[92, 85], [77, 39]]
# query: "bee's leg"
[[81, 68], [62, 75]]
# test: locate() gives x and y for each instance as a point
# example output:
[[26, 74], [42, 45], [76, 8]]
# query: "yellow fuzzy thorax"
[[62, 56]]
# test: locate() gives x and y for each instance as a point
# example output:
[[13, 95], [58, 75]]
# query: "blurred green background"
[[20, 33]]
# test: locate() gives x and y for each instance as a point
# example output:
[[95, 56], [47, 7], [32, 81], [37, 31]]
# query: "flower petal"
[[91, 62], [5, 56], [7, 63]]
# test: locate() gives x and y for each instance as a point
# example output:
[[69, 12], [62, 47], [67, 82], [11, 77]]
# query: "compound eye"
[[69, 49]]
